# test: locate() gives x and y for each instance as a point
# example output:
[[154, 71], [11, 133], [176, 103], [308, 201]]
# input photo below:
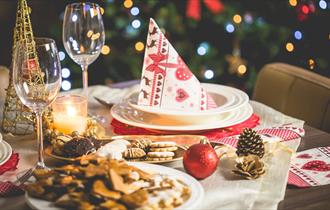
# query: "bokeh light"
[[289, 47], [136, 24], [311, 63], [128, 4], [66, 73], [135, 11], [201, 50], [241, 69], [298, 35], [323, 4], [209, 74], [293, 3], [305, 9], [230, 28], [66, 85], [139, 46], [61, 55], [237, 19], [105, 50]]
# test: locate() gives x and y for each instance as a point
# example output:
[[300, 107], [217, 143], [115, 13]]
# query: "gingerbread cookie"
[[162, 144]]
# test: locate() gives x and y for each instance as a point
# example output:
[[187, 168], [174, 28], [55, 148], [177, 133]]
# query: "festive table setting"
[[167, 142]]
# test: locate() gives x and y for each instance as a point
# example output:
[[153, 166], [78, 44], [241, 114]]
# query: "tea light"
[[70, 114]]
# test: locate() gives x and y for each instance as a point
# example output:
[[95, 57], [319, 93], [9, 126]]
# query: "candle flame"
[[71, 111]]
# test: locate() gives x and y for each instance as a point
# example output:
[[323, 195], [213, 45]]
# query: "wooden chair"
[[296, 92]]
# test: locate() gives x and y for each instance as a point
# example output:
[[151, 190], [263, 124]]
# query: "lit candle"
[[70, 114]]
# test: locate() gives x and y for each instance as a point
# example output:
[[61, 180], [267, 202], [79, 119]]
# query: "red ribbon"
[[194, 8]]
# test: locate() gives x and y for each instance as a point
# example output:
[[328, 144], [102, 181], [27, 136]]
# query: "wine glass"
[[83, 35], [37, 79]]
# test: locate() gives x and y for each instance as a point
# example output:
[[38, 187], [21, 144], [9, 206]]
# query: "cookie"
[[160, 154], [134, 153], [162, 144], [158, 159], [163, 149]]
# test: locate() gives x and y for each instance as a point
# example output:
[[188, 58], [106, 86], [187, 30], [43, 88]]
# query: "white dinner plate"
[[227, 99], [197, 191], [128, 115], [5, 151]]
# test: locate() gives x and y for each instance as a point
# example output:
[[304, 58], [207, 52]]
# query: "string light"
[[66, 85], [74, 18], [230, 28], [135, 11], [248, 18], [61, 55], [101, 10], [289, 47], [65, 73], [241, 69], [298, 35], [323, 4], [128, 4], [139, 46], [209, 74], [237, 19], [105, 50], [311, 63], [136, 24], [293, 3]]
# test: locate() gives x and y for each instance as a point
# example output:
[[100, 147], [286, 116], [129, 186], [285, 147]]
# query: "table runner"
[[221, 190]]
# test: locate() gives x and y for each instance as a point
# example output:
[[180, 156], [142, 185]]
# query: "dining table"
[[295, 198]]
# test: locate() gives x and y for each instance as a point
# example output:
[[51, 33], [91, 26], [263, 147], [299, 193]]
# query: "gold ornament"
[[249, 167], [18, 119]]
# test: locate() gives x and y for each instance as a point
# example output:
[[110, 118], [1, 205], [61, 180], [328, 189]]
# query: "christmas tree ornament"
[[17, 119], [249, 167], [200, 160], [250, 143]]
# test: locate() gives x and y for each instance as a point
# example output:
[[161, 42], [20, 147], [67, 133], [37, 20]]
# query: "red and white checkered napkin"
[[285, 133], [310, 168], [166, 80], [8, 188]]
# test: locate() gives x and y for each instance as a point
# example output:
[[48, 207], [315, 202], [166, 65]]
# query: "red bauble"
[[200, 160]]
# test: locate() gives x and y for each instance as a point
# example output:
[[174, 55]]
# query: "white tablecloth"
[[222, 190]]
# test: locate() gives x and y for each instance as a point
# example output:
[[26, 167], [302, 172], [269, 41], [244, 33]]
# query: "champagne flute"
[[83, 35], [37, 79]]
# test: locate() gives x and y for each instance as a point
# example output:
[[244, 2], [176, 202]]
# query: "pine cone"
[[250, 167], [250, 143]]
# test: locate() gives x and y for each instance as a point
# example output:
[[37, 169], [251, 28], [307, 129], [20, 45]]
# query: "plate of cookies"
[[100, 183], [133, 148]]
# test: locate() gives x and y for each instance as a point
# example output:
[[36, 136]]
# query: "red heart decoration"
[[203, 95], [160, 77], [202, 102], [316, 165], [155, 102], [163, 50], [304, 156], [157, 90], [156, 96], [183, 74], [159, 83], [181, 95]]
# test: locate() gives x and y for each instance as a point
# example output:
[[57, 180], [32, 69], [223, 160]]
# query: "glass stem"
[[85, 79], [40, 162]]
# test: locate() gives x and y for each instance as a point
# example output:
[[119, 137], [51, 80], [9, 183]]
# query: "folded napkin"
[[8, 188], [166, 80], [310, 168], [10, 164]]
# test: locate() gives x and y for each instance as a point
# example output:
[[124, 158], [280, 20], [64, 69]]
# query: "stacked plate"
[[5, 151], [233, 108]]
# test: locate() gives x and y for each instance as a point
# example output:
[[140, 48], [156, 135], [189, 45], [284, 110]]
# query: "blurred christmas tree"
[[222, 41]]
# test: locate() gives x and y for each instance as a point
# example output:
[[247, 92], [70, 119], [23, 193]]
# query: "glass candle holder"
[[70, 114]]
